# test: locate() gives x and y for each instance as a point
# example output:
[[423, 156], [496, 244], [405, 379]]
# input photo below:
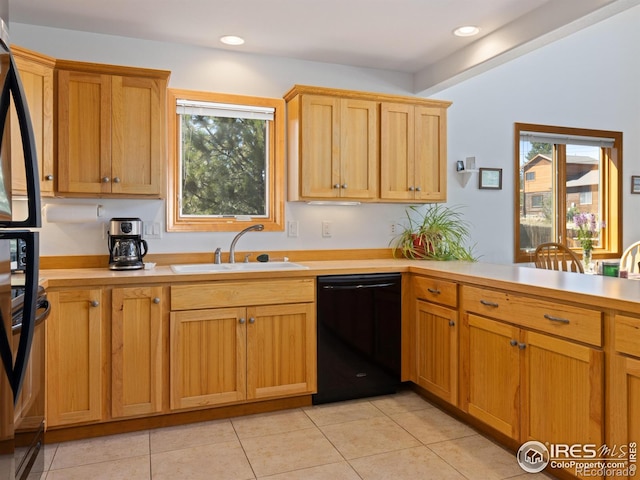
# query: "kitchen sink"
[[236, 267]]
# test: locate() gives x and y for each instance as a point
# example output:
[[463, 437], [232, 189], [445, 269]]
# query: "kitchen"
[[469, 131]]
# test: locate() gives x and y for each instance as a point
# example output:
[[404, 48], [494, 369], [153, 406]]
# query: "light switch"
[[326, 228]]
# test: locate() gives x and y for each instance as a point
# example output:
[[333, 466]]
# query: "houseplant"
[[434, 232]]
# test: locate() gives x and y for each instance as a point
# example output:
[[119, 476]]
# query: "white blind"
[[539, 137], [228, 110]]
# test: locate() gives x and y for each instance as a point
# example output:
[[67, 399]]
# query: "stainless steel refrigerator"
[[21, 311]]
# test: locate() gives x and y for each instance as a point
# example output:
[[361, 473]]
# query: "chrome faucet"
[[232, 250]]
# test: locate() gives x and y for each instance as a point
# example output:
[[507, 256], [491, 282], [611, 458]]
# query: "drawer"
[[627, 336], [574, 323], [242, 294], [436, 290]]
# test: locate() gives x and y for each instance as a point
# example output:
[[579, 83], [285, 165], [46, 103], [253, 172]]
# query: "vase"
[[586, 259]]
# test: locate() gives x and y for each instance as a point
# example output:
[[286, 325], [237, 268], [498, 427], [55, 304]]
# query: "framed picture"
[[635, 183], [490, 178]]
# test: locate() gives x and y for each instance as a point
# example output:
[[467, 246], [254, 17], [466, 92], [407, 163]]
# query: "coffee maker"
[[126, 246]]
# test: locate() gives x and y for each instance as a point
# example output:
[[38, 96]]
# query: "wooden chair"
[[630, 258], [555, 256]]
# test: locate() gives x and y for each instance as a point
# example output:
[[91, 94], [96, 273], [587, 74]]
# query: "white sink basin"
[[236, 267]]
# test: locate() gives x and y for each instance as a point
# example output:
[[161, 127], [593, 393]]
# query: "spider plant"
[[436, 233]]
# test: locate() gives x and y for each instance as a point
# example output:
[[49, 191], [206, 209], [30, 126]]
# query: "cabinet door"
[[84, 132], [37, 81], [437, 350], [320, 166], [207, 357], [281, 350], [430, 154], [562, 388], [138, 152], [75, 359], [492, 365], [136, 351], [397, 153], [358, 149]]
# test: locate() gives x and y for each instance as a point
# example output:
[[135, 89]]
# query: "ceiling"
[[410, 36]]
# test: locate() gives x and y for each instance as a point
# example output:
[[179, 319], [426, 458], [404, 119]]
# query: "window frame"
[[275, 219], [610, 182]]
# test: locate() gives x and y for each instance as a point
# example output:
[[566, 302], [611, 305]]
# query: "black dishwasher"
[[358, 336]]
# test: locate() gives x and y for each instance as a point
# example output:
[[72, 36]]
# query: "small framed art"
[[490, 178], [635, 183]]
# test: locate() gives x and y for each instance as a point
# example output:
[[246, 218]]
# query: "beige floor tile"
[[192, 435], [101, 449], [49, 452], [331, 413], [432, 425], [401, 402], [220, 461], [368, 437], [135, 468], [332, 471], [410, 464], [284, 452], [270, 423], [478, 458]]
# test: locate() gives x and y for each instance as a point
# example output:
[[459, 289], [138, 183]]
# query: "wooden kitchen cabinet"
[[111, 129], [75, 333], [413, 152], [337, 148], [363, 146], [436, 337], [136, 351], [259, 343], [36, 73]]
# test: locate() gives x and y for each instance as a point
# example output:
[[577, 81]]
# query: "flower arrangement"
[[587, 226]]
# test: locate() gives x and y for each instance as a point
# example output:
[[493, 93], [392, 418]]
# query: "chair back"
[[555, 256], [630, 258]]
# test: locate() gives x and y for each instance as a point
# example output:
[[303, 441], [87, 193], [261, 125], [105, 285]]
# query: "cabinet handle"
[[242, 320], [48, 177], [556, 319], [513, 342], [435, 291], [522, 346], [156, 300], [452, 323], [418, 189], [411, 189], [252, 320], [488, 303], [116, 180], [344, 185], [106, 179], [336, 185], [95, 303]]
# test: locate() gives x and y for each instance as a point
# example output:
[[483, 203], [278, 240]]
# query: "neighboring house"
[[583, 180]]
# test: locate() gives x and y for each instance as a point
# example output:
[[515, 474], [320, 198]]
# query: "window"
[[227, 166], [561, 172]]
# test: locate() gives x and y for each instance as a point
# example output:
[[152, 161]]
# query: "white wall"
[[589, 79]]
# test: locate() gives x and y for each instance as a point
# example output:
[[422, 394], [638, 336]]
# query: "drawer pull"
[[488, 303], [522, 346], [252, 320], [95, 303], [452, 323], [242, 320], [435, 291], [556, 319], [156, 300], [513, 342]]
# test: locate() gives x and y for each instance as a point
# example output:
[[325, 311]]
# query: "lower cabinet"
[[75, 333], [136, 351], [242, 352]]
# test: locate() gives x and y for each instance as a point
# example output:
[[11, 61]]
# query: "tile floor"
[[390, 437]]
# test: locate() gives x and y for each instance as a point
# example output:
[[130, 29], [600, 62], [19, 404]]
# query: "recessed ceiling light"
[[466, 31], [232, 40]]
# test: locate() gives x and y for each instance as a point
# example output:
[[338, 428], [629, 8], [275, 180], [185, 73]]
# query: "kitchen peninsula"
[[518, 352]]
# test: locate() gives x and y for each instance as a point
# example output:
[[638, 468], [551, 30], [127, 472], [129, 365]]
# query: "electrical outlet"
[[393, 228], [152, 230], [326, 228], [292, 228]]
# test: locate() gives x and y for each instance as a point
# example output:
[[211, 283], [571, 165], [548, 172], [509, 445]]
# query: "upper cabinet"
[[348, 145], [111, 129], [36, 73]]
